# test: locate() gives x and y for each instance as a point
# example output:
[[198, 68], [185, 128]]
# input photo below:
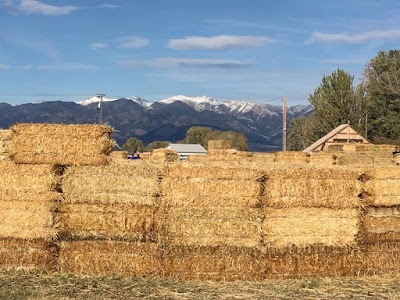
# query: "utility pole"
[[284, 123], [100, 107]]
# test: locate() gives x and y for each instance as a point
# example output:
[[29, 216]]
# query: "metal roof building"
[[184, 150]]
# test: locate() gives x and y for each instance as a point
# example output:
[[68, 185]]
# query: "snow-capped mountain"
[[142, 102]]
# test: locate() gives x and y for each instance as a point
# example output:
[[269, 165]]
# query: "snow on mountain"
[[142, 102], [95, 99], [199, 103]]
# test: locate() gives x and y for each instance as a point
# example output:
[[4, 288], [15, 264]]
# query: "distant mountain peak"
[[142, 102]]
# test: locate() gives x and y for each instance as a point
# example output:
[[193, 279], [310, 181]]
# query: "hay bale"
[[110, 258], [27, 220], [383, 188], [376, 148], [33, 183], [61, 144], [263, 157], [119, 154], [322, 159], [27, 255], [290, 157], [219, 145], [354, 159], [335, 148], [213, 263], [5, 138], [122, 222], [380, 259], [213, 226], [311, 186], [308, 226], [381, 224], [164, 155], [181, 200], [396, 159], [212, 170], [207, 187], [119, 182]]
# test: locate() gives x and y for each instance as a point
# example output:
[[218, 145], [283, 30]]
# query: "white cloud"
[[317, 36], [36, 7], [184, 62], [108, 5], [218, 42], [96, 46], [9, 67], [3, 67], [132, 42], [66, 67]]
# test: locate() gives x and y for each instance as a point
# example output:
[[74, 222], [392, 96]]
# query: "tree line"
[[372, 107], [195, 135]]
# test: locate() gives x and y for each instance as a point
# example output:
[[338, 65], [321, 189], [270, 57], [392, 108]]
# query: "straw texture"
[[383, 189]]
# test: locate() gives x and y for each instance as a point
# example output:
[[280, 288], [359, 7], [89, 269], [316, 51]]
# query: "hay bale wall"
[[5, 138], [61, 144]]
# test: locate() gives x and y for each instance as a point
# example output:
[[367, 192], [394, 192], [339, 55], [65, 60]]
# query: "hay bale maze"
[[232, 216]]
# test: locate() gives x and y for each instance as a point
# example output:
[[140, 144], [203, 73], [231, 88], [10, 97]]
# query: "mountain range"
[[165, 120]]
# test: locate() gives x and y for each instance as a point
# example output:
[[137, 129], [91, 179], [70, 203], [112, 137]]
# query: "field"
[[33, 286]]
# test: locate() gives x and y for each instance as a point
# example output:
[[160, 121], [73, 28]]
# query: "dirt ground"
[[35, 286]]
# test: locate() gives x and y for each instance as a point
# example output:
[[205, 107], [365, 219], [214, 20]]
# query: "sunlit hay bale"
[[27, 220], [117, 222], [377, 148], [354, 159], [61, 144], [119, 154], [263, 157], [33, 183], [212, 170], [291, 157], [381, 224], [380, 259], [335, 148], [349, 147], [383, 188], [119, 182], [312, 260], [307, 226], [213, 263], [396, 159], [322, 159], [210, 201], [206, 187], [110, 258], [219, 144], [27, 255], [164, 155], [198, 158], [311, 186], [145, 155], [5, 138], [213, 226]]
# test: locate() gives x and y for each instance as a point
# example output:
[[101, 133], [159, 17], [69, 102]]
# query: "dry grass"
[[32, 286]]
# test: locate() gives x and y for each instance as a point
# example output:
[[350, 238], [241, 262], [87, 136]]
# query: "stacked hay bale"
[[119, 154], [59, 144], [363, 159], [291, 157], [28, 220], [322, 159], [212, 222], [381, 223], [164, 155], [107, 219], [5, 137], [263, 157], [233, 156], [311, 220]]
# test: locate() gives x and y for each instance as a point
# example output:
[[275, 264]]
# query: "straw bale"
[[308, 226], [353, 159], [213, 263], [383, 189], [27, 255], [223, 152], [213, 226], [127, 222], [27, 220], [380, 258], [119, 154], [396, 159], [381, 224], [284, 157], [5, 137], [198, 158], [207, 201], [212, 170], [28, 182], [314, 260], [335, 148], [61, 144], [164, 155], [376, 148], [322, 158], [312, 186], [145, 155], [110, 258], [263, 157], [219, 144], [207, 187]]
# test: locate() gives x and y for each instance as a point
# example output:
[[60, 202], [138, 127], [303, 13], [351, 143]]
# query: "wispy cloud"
[[96, 46], [107, 5], [218, 42], [36, 7], [317, 36], [10, 67], [66, 67], [184, 62], [4, 67], [132, 42]]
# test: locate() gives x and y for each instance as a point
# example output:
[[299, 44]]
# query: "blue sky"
[[255, 50]]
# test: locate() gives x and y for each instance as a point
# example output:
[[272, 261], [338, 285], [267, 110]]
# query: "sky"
[[254, 50]]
